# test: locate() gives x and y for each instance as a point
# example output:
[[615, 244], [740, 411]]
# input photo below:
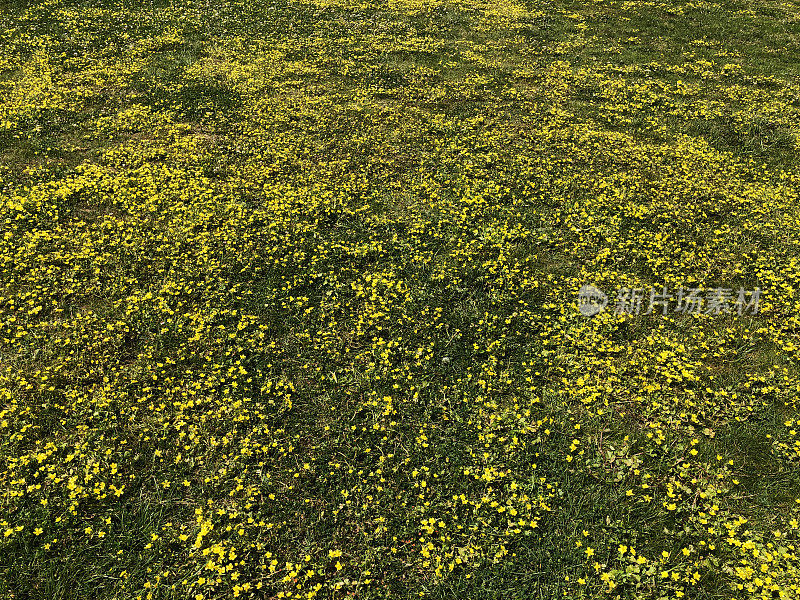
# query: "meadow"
[[289, 299]]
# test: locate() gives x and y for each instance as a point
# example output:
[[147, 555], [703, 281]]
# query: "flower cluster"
[[287, 299]]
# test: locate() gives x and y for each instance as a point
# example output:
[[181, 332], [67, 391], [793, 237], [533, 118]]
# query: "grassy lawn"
[[289, 299]]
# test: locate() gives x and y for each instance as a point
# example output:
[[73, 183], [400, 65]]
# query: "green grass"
[[230, 230]]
